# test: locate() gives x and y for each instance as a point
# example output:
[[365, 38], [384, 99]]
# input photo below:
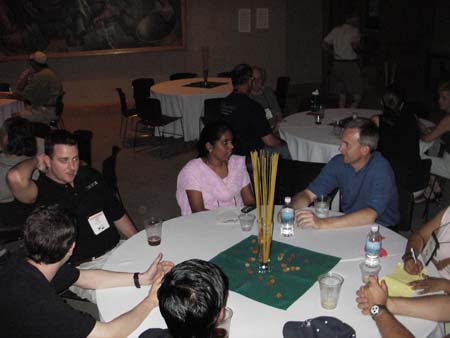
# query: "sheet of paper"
[[244, 20], [397, 282]]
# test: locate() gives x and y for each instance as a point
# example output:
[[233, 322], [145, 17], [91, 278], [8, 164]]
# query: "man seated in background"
[[41, 92], [373, 299], [265, 96], [31, 306], [365, 180], [248, 119], [81, 190], [192, 300]]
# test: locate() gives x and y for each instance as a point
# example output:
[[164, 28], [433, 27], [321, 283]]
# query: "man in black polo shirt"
[[30, 304], [248, 119], [80, 189]]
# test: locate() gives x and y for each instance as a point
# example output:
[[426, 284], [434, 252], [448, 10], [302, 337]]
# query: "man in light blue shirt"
[[363, 176]]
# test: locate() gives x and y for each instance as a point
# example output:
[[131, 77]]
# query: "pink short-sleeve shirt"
[[216, 192]]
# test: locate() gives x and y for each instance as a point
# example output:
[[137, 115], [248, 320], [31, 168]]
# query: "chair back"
[[293, 177], [59, 105], [5, 87], [282, 92], [109, 171], [141, 88], [123, 101], [213, 111], [178, 76], [149, 110], [224, 74]]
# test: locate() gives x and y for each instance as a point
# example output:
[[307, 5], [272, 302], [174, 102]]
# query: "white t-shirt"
[[341, 38]]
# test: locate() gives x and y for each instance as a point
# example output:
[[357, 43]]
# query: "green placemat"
[[293, 271], [201, 84]]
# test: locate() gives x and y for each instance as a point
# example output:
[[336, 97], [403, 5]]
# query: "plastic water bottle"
[[373, 246], [287, 218]]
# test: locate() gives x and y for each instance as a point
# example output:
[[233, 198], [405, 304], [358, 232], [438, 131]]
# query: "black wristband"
[[136, 280]]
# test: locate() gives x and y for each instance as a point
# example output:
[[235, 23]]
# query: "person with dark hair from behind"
[[192, 300], [29, 287], [365, 180], [248, 119], [18, 144], [80, 189], [217, 178], [399, 138]]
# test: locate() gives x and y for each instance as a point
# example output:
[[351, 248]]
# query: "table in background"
[[188, 102], [311, 142], [198, 236]]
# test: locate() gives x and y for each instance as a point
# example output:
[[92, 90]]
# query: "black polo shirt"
[[89, 196], [248, 120], [31, 307]]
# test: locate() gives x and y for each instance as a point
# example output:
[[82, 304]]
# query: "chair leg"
[[120, 130], [125, 132], [427, 200], [135, 135]]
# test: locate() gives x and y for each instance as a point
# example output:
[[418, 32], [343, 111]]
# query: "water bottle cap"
[[287, 200], [374, 228]]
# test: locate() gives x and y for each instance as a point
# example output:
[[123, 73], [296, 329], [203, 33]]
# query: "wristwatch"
[[376, 309]]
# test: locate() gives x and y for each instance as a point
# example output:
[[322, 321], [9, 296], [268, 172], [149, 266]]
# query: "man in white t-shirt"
[[343, 44]]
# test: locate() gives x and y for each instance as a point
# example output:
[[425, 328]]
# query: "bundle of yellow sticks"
[[264, 178]]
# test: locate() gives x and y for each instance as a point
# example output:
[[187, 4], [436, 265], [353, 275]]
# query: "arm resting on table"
[[435, 307], [125, 226], [361, 217], [390, 327]]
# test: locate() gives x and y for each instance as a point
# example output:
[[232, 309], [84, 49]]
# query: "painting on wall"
[[90, 27]]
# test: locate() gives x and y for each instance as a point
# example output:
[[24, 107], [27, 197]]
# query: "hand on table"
[[411, 267], [370, 294], [157, 268], [156, 284], [430, 284], [307, 219]]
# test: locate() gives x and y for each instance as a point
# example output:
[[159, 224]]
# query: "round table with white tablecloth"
[[199, 236], [188, 102], [310, 142]]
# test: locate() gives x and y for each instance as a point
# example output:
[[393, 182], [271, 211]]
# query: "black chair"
[[293, 177], [224, 74], [410, 195], [5, 87], [109, 172], [84, 138], [212, 112], [141, 88], [152, 118], [281, 93], [125, 114], [59, 108], [179, 76]]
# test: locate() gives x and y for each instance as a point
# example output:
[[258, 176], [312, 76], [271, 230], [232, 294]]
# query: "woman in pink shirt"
[[216, 178]]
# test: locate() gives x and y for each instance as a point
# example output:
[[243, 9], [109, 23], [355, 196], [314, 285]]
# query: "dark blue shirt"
[[373, 186]]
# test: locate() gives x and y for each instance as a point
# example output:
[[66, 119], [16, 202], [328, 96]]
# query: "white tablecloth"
[[188, 102], [9, 107], [311, 142], [198, 236]]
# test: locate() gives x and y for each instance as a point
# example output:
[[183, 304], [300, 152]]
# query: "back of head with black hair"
[[241, 74], [59, 136], [191, 297], [49, 232], [211, 133], [20, 137]]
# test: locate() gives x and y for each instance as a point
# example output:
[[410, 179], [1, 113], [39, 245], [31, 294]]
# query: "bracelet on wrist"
[[407, 256], [136, 280]]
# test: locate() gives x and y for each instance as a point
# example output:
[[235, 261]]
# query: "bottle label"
[[287, 215], [373, 248]]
